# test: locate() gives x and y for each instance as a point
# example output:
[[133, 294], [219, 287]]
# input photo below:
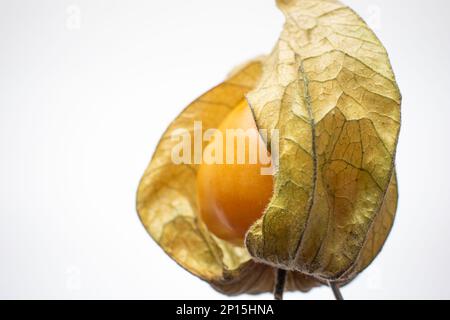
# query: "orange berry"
[[232, 197]]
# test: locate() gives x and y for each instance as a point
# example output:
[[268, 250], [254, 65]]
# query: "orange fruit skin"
[[231, 197]]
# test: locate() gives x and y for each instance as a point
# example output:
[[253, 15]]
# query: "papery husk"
[[329, 89]]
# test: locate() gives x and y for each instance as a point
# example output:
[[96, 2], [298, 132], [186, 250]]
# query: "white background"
[[88, 87]]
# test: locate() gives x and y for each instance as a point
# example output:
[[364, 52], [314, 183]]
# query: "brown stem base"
[[280, 282], [335, 288]]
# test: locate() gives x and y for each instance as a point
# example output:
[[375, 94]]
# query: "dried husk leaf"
[[329, 89], [167, 206]]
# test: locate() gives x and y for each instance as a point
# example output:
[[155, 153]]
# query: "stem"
[[280, 281], [335, 288]]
